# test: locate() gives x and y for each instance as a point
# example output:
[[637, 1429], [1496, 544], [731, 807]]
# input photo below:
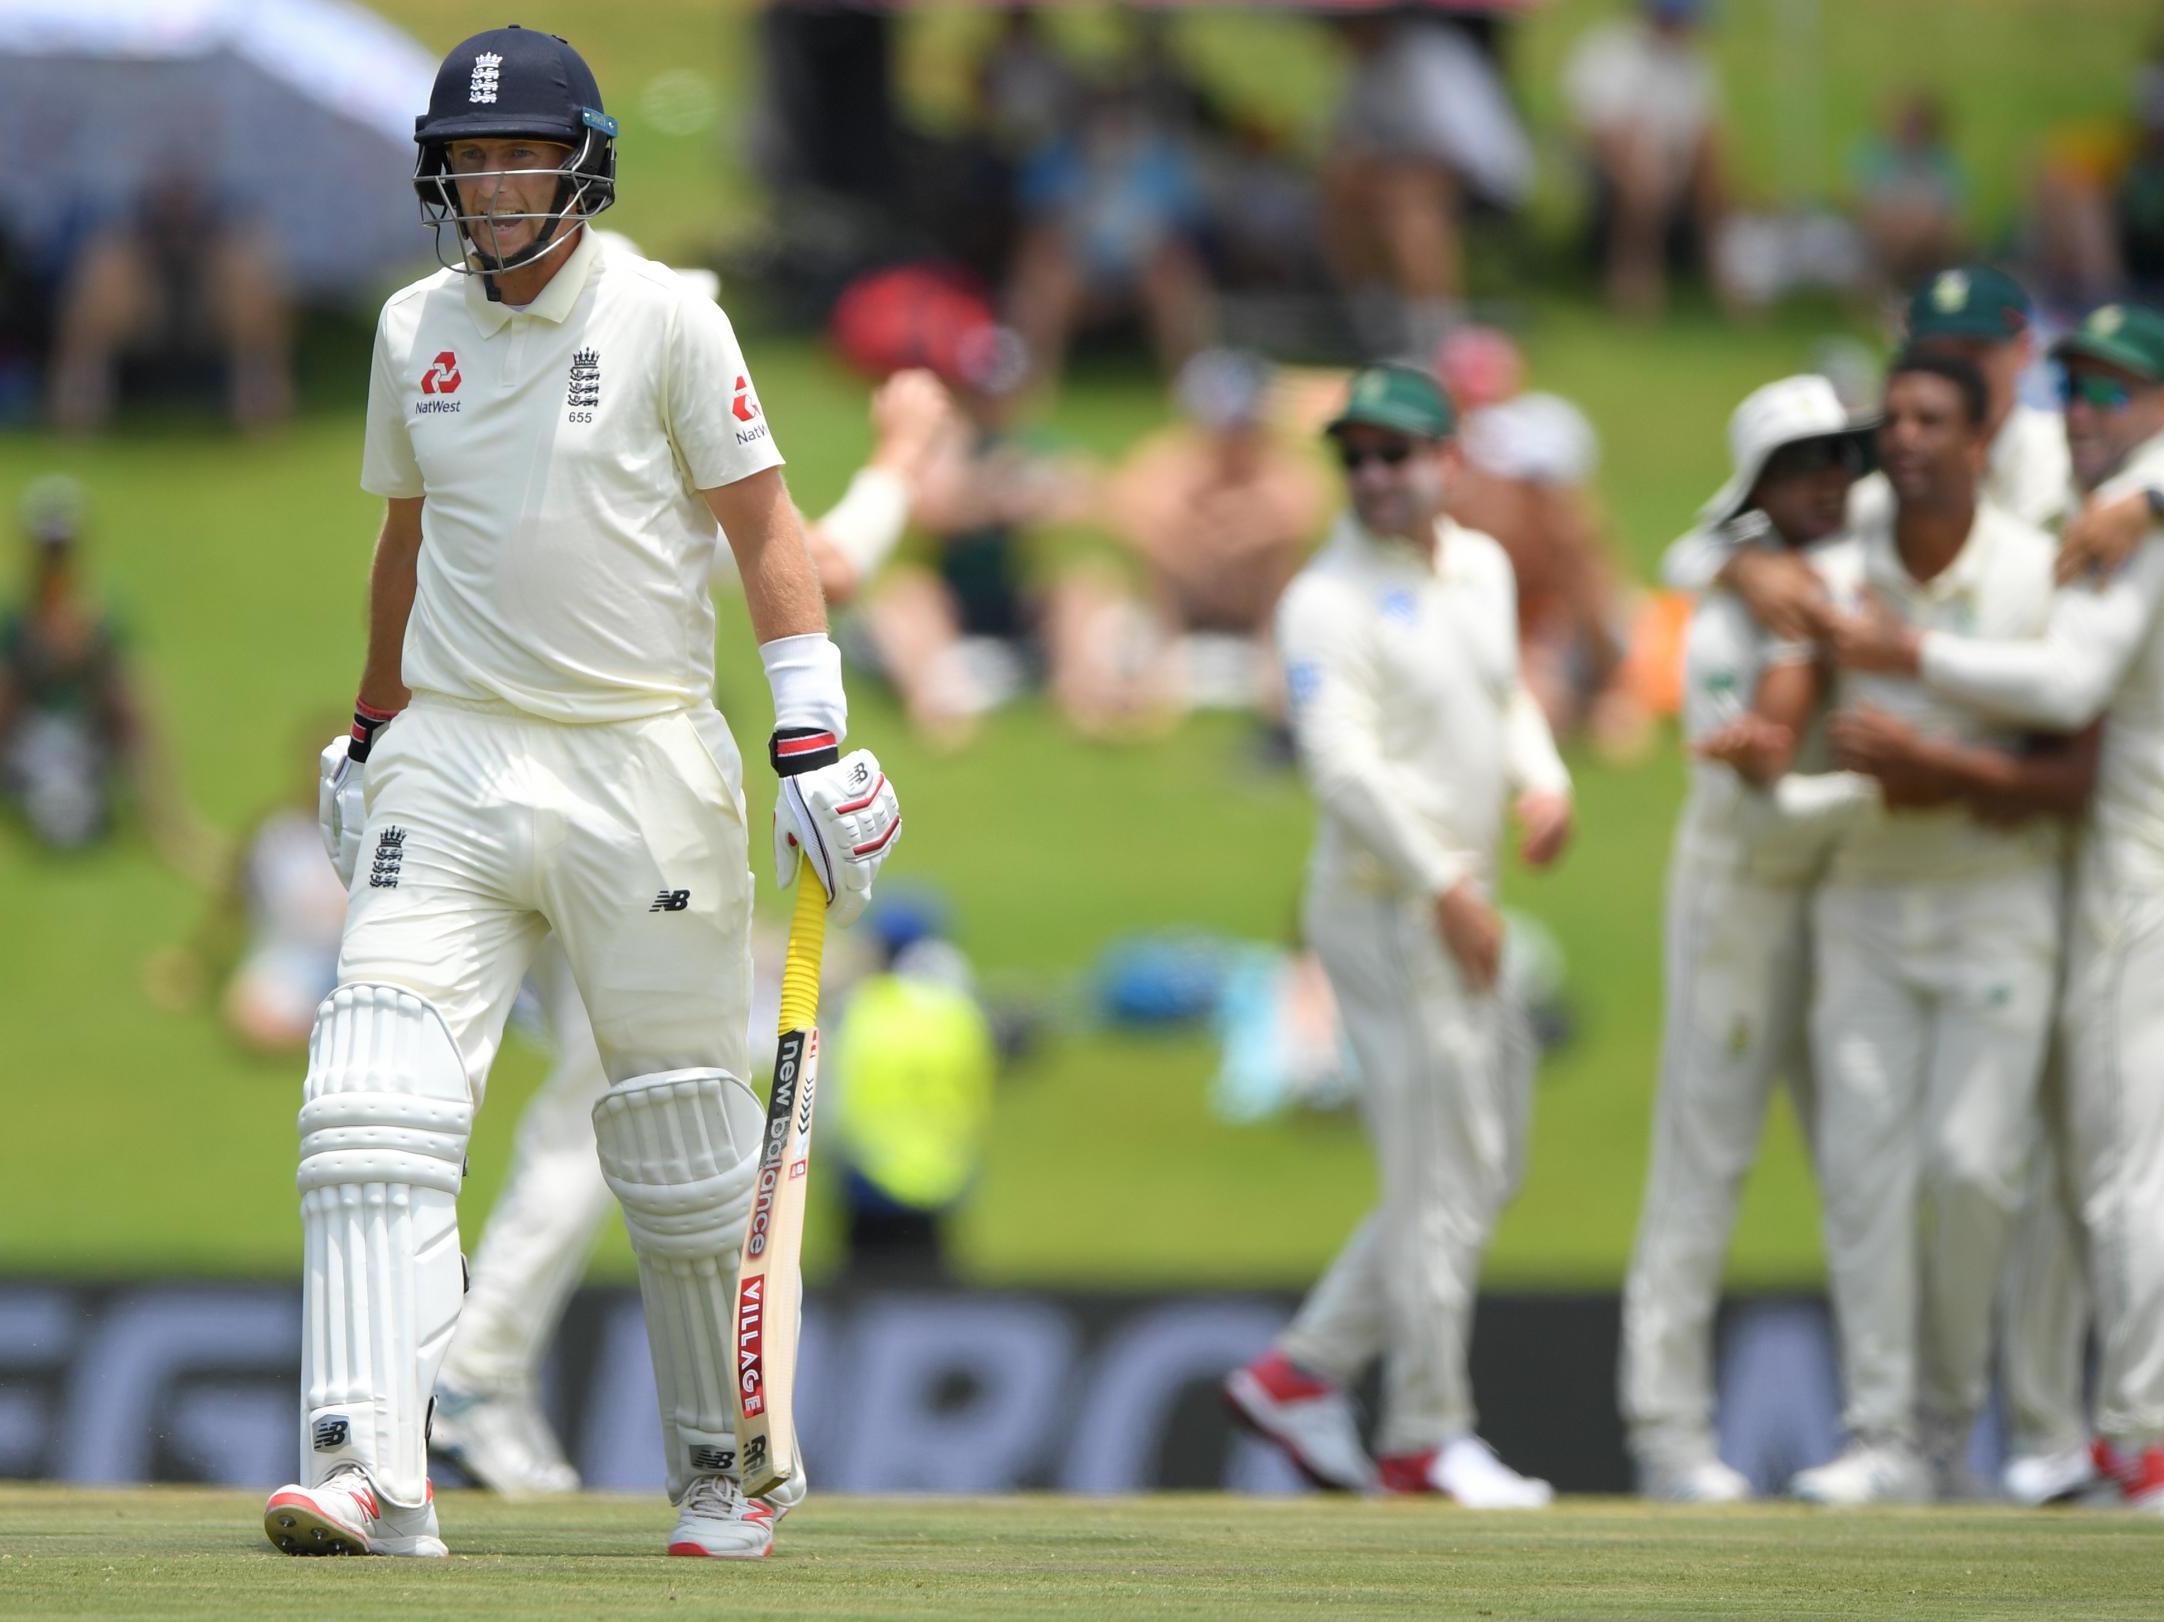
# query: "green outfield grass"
[[178, 1552], [141, 1142]]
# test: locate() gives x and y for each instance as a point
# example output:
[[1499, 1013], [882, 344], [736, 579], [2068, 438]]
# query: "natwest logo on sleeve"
[[745, 405], [441, 378]]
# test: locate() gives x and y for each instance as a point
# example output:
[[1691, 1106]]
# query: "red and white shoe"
[[717, 1522], [343, 1515], [1465, 1470], [2141, 1478], [1310, 1420]]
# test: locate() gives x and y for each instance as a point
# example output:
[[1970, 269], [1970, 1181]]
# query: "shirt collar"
[[1395, 550], [1883, 564], [556, 299]]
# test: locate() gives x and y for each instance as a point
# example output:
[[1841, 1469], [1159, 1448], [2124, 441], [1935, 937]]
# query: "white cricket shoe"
[[343, 1515], [1309, 1419], [2036, 1479], [1705, 1479], [717, 1522], [1465, 1469], [501, 1440], [1866, 1473]]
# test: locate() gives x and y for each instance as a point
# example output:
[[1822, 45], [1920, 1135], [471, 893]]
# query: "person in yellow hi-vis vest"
[[911, 1067]]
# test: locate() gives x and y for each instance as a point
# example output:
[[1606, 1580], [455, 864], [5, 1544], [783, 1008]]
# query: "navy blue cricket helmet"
[[509, 82]]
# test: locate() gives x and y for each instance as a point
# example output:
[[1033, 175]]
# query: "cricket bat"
[[769, 1277]]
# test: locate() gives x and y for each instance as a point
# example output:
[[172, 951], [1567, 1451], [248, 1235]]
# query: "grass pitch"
[[180, 1552]]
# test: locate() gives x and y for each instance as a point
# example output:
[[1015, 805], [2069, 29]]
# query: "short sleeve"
[[715, 420], [388, 468]]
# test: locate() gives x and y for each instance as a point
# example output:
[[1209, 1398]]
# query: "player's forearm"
[[766, 533], [1362, 792], [2005, 785], [391, 580]]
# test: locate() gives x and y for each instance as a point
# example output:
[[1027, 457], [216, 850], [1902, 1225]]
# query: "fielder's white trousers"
[[1738, 968], [488, 828], [2114, 1048], [1932, 1011], [1446, 1080]]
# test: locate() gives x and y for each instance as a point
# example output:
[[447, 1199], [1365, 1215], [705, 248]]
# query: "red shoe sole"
[[700, 1551]]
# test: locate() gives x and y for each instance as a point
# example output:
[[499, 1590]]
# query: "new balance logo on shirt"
[[671, 901]]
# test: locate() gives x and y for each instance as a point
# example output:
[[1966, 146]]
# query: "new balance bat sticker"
[[769, 1282]]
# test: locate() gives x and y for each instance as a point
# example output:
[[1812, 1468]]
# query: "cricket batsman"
[[556, 432], [533, 1248], [1416, 731], [1746, 865], [2102, 655]]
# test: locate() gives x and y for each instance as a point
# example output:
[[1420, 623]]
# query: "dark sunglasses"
[[2097, 393], [1354, 458], [1809, 456]]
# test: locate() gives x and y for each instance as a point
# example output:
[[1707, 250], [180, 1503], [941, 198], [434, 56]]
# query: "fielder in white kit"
[[1416, 731], [556, 431], [1738, 964], [1935, 963], [2103, 654]]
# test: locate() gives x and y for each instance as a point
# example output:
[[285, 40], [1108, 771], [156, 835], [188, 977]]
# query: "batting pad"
[[383, 1147], [680, 1151]]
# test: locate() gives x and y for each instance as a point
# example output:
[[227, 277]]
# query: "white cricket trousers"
[[533, 1248], [1446, 1088], [1738, 966], [487, 828], [1931, 1015], [2113, 1030]]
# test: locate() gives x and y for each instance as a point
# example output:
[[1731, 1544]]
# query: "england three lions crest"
[[584, 390]]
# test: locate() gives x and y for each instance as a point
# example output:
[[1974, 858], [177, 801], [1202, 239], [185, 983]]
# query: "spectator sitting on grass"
[[1646, 104], [1220, 512], [1911, 191], [72, 720], [187, 285], [962, 635]]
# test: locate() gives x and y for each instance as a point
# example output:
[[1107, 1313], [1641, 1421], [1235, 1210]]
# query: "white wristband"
[[869, 519], [805, 673]]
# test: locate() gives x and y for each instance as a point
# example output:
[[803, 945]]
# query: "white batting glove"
[[340, 811], [841, 815]]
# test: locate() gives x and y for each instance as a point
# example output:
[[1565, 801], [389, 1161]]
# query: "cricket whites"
[[769, 1280]]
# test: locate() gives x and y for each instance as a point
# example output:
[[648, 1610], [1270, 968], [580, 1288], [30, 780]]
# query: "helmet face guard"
[[585, 186]]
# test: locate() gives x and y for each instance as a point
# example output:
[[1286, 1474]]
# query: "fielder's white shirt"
[[1999, 586], [562, 448], [1413, 723], [2103, 647], [1777, 836]]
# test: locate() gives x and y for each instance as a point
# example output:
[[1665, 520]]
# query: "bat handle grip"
[[807, 938]]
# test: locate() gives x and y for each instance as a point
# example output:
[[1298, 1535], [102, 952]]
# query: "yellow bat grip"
[[807, 937]]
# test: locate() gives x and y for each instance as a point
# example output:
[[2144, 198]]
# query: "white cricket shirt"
[[1413, 724], [1999, 587], [565, 545], [1781, 836], [2104, 646]]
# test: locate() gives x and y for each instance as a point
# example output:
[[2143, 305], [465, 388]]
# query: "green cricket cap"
[[1973, 301], [1404, 399], [2125, 335]]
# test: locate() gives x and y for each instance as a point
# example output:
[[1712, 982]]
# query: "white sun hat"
[[1785, 412]]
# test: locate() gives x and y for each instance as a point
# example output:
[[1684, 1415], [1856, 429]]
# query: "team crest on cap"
[[1950, 292], [1372, 388], [2106, 321], [487, 72]]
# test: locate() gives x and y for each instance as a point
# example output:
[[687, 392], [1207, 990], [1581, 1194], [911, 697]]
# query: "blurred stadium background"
[[1123, 1239]]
